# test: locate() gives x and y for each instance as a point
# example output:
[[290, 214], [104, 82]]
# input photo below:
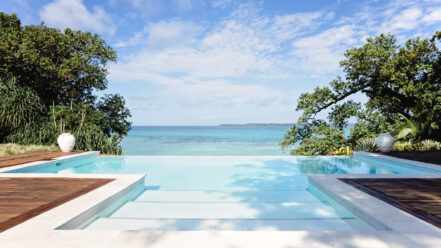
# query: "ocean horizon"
[[221, 140]]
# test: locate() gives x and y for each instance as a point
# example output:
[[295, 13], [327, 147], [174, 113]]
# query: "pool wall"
[[411, 164]]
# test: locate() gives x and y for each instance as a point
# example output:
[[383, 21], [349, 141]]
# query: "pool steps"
[[240, 210]]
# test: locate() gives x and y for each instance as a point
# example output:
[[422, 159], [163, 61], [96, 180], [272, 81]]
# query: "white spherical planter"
[[66, 142], [385, 142]]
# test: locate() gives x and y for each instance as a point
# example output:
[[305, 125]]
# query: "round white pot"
[[385, 142], [66, 142]]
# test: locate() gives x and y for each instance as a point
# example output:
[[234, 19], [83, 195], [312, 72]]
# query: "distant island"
[[259, 124]]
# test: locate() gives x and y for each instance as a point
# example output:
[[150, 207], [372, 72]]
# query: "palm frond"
[[405, 132]]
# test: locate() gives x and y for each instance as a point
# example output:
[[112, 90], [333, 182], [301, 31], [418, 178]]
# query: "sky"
[[196, 62]]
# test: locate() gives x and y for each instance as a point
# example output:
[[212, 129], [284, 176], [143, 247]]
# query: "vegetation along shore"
[[49, 81]]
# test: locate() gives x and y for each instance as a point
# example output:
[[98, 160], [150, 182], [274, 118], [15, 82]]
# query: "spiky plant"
[[367, 144], [430, 145]]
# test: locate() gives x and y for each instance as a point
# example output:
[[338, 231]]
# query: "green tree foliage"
[[396, 79], [60, 66], [115, 114], [52, 77]]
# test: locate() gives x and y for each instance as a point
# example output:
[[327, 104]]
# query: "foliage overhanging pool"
[[228, 193]]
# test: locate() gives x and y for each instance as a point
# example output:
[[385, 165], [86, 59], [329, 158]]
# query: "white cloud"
[[130, 42], [285, 27], [74, 14], [221, 3], [206, 92], [222, 92], [151, 5], [322, 52], [208, 64], [164, 34], [205, 63], [406, 19], [171, 33], [154, 7], [187, 4], [433, 16]]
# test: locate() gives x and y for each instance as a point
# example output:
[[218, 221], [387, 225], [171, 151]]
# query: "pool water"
[[230, 193]]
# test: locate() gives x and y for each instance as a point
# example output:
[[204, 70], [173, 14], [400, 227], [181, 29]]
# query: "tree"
[[61, 71], [396, 79], [115, 114], [59, 66]]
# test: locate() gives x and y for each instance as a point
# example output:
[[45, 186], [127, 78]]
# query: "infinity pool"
[[229, 193]]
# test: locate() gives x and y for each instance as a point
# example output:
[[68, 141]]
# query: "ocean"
[[205, 140]]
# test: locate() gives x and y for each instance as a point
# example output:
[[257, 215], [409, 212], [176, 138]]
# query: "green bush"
[[367, 144], [35, 133], [18, 106], [430, 145], [405, 146], [11, 149], [86, 139], [96, 140]]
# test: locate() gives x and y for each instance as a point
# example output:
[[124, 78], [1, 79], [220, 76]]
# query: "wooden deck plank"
[[11, 160], [420, 197], [422, 156], [41, 194]]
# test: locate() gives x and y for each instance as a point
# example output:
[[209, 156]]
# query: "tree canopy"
[[400, 82], [59, 66], [49, 79]]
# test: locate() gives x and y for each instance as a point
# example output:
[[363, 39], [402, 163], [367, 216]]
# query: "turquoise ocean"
[[205, 140]]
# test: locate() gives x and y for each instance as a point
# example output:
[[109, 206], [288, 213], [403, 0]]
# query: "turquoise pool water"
[[228, 193]]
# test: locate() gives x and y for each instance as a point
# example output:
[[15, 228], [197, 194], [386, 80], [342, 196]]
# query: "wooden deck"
[[6, 161], [428, 156], [419, 197], [24, 198]]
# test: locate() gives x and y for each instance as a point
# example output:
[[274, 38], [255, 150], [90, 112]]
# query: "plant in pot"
[[66, 141]]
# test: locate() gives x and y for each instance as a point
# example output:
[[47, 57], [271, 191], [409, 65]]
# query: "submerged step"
[[288, 210], [226, 180], [269, 196], [219, 225]]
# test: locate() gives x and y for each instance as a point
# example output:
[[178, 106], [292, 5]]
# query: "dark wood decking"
[[24, 198], [419, 197], [6, 161], [428, 157]]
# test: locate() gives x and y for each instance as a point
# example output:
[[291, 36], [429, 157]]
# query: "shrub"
[[86, 139], [367, 144], [430, 145], [96, 140], [11, 149], [405, 146], [18, 106], [35, 133]]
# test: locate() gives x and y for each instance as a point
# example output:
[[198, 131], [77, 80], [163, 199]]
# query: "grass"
[[11, 149]]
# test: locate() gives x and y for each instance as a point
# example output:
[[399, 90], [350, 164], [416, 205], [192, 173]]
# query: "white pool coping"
[[76, 211], [53, 160], [40, 231], [374, 211]]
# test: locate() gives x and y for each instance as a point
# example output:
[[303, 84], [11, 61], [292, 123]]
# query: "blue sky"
[[195, 62]]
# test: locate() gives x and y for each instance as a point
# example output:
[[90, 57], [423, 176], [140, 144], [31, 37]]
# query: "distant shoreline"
[[259, 124]]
